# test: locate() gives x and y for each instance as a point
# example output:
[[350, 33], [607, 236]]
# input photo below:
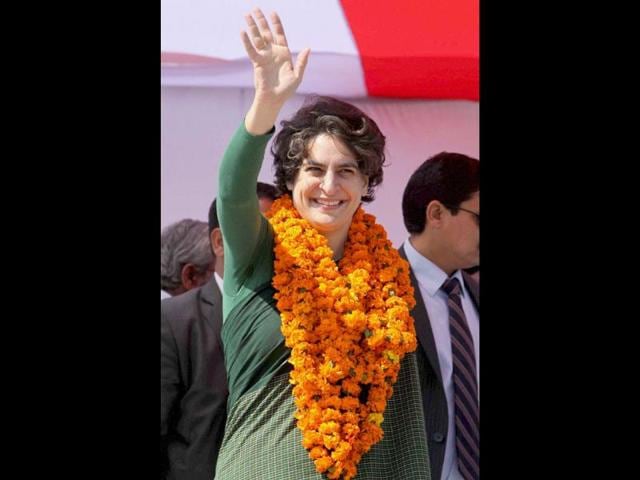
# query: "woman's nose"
[[329, 183]]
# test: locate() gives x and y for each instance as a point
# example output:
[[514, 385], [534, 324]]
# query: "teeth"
[[328, 203]]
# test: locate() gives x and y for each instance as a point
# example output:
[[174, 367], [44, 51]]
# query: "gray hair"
[[186, 241]]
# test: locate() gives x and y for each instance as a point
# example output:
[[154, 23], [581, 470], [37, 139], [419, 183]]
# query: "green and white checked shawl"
[[262, 441]]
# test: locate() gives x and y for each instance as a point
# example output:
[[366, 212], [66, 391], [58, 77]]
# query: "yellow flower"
[[341, 451], [355, 320], [392, 356], [375, 418], [331, 441]]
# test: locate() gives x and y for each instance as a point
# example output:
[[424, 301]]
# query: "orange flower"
[[347, 325], [317, 452], [323, 463]]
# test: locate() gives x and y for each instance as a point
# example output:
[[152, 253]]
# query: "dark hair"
[[450, 178], [266, 190], [213, 217], [326, 115]]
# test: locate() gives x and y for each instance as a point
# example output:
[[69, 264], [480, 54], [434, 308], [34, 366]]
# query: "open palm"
[[275, 76]]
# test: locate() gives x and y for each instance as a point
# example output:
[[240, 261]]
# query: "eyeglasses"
[[475, 214]]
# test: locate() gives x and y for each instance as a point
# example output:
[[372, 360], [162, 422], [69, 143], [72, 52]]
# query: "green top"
[[253, 344], [261, 439]]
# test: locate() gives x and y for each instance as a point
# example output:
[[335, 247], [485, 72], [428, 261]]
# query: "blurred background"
[[413, 66]]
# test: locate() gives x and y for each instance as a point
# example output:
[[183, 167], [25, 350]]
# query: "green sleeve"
[[245, 231]]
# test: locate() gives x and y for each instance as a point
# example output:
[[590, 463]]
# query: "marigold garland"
[[348, 328]]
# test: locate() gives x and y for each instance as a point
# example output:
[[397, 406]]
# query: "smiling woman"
[[328, 189], [317, 332]]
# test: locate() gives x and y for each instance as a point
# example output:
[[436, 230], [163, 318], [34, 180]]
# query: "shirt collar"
[[218, 280], [429, 275]]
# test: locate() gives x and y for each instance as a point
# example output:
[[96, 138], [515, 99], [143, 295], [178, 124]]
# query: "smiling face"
[[328, 188]]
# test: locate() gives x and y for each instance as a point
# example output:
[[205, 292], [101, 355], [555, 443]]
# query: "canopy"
[[403, 48]]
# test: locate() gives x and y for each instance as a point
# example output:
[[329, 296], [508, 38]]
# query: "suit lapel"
[[473, 287], [211, 303], [423, 325]]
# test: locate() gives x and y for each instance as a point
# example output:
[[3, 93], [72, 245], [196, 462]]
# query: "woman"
[[316, 300]]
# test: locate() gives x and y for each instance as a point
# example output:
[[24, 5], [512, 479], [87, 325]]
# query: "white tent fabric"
[[212, 28], [202, 47], [238, 73]]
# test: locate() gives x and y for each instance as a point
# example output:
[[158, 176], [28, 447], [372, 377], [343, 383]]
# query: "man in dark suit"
[[193, 377], [441, 212]]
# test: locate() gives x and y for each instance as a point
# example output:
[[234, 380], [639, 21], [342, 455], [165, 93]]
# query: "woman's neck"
[[336, 242]]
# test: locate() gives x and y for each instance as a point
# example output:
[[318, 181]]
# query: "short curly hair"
[[325, 115]]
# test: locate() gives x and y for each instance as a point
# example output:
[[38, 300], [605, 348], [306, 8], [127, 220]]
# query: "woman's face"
[[328, 187]]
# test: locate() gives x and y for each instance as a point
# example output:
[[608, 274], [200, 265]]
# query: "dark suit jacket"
[[434, 400], [194, 384]]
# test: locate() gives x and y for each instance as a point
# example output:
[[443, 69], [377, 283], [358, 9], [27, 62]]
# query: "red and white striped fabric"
[[379, 48]]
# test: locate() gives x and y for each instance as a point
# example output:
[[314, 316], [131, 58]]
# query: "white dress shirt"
[[430, 278], [218, 280]]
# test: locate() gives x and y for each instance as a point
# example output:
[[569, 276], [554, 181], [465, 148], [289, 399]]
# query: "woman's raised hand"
[[276, 78]]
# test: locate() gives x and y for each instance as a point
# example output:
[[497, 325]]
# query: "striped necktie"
[[465, 384]]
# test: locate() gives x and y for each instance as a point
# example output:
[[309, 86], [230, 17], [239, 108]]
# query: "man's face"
[[264, 203], [461, 234]]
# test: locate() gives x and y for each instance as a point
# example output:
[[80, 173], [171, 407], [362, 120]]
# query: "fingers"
[[258, 41], [248, 46], [301, 63], [264, 26], [280, 37]]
